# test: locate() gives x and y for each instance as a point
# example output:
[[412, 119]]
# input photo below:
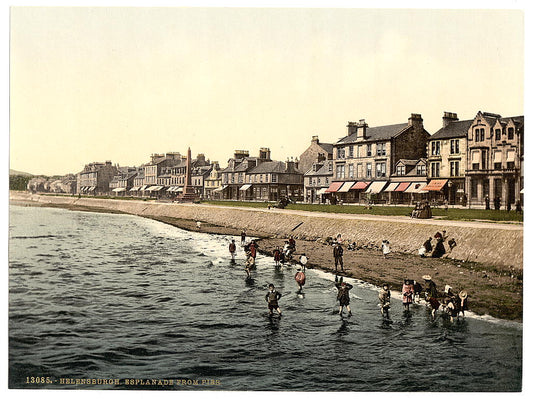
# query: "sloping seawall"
[[489, 243]]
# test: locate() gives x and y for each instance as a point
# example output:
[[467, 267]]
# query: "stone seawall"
[[489, 243]]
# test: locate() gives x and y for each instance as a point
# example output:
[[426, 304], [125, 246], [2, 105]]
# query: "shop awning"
[[522, 191], [119, 189], [143, 188], [346, 187], [334, 187], [360, 185], [436, 185], [391, 187], [220, 188], [245, 187], [92, 188], [154, 188], [134, 188], [376, 187], [321, 191], [402, 187], [415, 187]]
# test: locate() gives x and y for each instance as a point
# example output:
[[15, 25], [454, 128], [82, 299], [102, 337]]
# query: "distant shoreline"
[[492, 291]]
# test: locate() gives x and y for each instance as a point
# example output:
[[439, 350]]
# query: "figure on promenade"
[[338, 253], [385, 248], [384, 300], [497, 203], [272, 298], [232, 250], [343, 295], [518, 206], [243, 237], [487, 203], [277, 256], [300, 279], [408, 293]]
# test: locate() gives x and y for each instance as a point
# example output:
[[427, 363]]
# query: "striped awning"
[[321, 191], [392, 186], [402, 187], [219, 189], [436, 185], [143, 188], [245, 187], [376, 187], [346, 187], [134, 188], [119, 189], [360, 185], [334, 187], [415, 187]]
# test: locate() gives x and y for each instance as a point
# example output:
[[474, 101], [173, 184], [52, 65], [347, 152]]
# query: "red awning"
[[402, 186], [360, 185], [435, 185], [333, 187]]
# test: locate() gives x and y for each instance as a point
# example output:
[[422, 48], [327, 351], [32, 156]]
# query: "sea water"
[[128, 300]]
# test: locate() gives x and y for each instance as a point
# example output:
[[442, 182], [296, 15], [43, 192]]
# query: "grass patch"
[[450, 214]]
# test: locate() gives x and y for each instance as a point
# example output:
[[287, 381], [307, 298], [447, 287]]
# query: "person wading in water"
[[343, 295], [272, 298]]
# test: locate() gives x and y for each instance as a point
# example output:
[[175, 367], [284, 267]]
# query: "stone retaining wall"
[[488, 243]]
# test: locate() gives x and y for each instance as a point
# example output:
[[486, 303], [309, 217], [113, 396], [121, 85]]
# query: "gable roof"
[[328, 147], [376, 133], [322, 171], [452, 130]]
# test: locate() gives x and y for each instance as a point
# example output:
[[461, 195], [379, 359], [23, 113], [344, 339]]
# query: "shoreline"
[[492, 290]]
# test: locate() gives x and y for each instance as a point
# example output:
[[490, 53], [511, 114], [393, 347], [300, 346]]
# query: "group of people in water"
[[452, 304]]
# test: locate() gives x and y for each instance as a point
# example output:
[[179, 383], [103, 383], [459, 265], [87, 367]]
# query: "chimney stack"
[[352, 128], [361, 129], [415, 120], [264, 154], [314, 139], [448, 118]]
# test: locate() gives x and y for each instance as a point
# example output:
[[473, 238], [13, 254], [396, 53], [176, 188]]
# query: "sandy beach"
[[496, 291]]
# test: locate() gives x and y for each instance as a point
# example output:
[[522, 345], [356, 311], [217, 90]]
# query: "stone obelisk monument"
[[188, 189]]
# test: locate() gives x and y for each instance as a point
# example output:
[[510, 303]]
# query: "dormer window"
[[400, 170]]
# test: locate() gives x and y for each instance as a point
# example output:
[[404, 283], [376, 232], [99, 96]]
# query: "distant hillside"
[[13, 172]]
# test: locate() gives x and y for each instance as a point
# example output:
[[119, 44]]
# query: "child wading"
[[343, 295], [272, 298], [384, 300], [232, 249], [300, 279], [408, 293]]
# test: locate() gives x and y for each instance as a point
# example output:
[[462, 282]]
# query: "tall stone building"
[[95, 177], [365, 159], [316, 152]]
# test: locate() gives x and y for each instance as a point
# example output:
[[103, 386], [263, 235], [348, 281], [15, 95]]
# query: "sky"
[[96, 84]]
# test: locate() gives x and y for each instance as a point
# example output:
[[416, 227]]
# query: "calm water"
[[121, 297]]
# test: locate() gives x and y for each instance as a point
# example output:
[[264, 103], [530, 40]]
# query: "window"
[[340, 153], [381, 169], [274, 178], [476, 138], [369, 150], [421, 170], [454, 168], [454, 146], [350, 170], [473, 188], [330, 167], [351, 151], [435, 148], [498, 134], [359, 150], [327, 180], [368, 170], [400, 170], [510, 133], [380, 149], [318, 180], [435, 169], [340, 171]]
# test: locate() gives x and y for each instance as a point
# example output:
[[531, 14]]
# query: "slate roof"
[[454, 129], [408, 162], [376, 133], [322, 171], [328, 147], [271, 167]]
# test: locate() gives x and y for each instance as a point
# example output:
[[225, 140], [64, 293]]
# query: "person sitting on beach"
[[343, 295], [452, 244], [384, 300], [277, 256], [272, 298], [426, 248], [337, 255], [303, 261], [407, 293], [439, 250], [198, 224], [232, 249]]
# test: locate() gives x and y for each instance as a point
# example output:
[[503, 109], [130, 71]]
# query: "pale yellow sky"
[[96, 84]]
